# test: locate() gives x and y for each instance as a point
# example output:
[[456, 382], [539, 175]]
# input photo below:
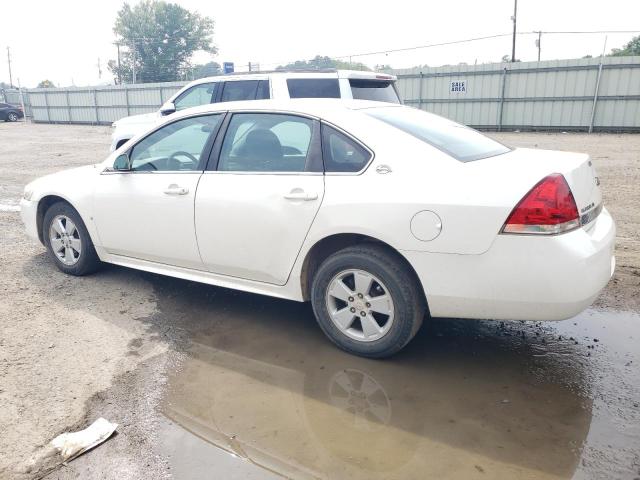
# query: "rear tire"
[[68, 241], [12, 117], [367, 301]]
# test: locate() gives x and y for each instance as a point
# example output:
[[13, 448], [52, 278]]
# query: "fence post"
[[420, 91], [68, 105], [126, 96], [46, 104], [595, 97], [504, 83], [95, 104]]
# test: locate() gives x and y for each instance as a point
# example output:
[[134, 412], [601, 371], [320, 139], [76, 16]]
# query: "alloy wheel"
[[360, 305], [65, 240]]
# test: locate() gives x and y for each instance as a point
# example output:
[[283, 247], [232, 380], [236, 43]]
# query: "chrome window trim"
[[147, 172], [258, 111], [244, 172]]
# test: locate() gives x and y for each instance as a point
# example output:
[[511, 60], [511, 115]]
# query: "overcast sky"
[[62, 40]]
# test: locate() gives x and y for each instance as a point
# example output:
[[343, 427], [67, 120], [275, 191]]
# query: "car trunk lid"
[[525, 167]]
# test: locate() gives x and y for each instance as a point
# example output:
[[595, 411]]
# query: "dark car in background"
[[10, 113]]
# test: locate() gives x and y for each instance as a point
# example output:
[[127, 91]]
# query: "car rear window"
[[313, 88], [462, 143], [378, 90]]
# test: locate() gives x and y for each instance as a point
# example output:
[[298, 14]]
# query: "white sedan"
[[378, 214]]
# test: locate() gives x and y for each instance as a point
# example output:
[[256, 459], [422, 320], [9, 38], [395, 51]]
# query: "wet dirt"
[[467, 399], [212, 383]]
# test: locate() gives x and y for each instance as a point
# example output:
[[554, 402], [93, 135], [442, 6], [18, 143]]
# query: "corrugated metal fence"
[[549, 95], [98, 105]]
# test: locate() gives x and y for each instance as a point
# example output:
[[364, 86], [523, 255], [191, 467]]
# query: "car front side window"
[[177, 146], [265, 142], [198, 95]]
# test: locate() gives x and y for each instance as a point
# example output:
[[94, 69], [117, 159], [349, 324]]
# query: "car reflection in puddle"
[[465, 399]]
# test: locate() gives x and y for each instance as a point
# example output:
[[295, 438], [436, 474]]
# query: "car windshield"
[[378, 90], [462, 143]]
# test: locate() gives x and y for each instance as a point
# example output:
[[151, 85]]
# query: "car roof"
[[316, 107]]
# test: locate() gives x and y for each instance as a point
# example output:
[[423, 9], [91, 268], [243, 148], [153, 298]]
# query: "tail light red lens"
[[549, 208]]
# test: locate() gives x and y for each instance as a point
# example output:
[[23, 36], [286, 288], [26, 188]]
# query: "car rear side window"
[[266, 142], [239, 90], [462, 143], [378, 90], [313, 88], [341, 153]]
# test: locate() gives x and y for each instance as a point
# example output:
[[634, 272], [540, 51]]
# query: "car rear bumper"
[[29, 213], [521, 277]]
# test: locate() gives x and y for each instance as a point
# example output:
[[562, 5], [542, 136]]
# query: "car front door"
[[255, 205], [146, 212], [4, 108]]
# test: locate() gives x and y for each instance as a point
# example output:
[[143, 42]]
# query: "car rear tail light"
[[549, 208]]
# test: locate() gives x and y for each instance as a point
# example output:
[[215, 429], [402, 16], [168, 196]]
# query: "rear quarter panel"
[[422, 178]]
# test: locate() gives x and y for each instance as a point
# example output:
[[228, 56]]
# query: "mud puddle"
[[263, 394]]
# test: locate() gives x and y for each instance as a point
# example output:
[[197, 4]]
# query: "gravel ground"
[[73, 349]]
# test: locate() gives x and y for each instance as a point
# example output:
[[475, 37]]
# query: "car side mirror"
[[167, 109], [121, 164]]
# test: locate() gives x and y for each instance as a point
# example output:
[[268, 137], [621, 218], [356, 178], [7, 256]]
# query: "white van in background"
[[347, 84]]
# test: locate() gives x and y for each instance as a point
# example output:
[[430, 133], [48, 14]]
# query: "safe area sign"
[[458, 86]]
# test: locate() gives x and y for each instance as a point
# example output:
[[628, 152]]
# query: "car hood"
[[134, 120]]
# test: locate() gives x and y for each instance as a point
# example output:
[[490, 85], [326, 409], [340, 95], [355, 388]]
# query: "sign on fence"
[[459, 86]]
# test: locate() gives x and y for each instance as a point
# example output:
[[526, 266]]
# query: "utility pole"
[[99, 69], [513, 47], [538, 43], [9, 61]]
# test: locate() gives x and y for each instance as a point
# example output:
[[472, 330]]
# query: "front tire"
[[367, 301], [68, 241], [12, 117]]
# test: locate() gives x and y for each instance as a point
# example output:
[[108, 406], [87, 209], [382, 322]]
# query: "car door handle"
[[174, 189], [297, 194]]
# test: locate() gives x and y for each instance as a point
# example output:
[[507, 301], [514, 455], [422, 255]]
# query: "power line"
[[538, 33], [430, 45], [583, 32], [467, 40]]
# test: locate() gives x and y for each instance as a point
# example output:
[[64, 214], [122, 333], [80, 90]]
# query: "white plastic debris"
[[73, 444]]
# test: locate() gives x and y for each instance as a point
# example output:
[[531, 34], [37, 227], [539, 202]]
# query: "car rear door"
[[258, 198]]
